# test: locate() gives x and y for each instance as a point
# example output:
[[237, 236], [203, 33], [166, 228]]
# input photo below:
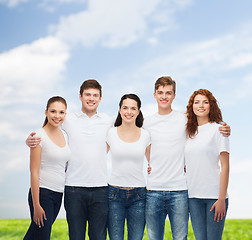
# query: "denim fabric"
[[86, 204], [159, 204], [50, 201], [204, 226], [130, 205]]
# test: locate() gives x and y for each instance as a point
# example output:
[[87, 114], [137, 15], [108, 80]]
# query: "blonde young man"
[[166, 184]]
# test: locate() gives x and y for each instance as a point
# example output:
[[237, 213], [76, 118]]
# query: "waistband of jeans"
[[127, 190]]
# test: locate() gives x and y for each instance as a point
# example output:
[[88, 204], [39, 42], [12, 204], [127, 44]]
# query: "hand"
[[31, 141], [220, 209], [39, 216], [225, 130], [149, 169]]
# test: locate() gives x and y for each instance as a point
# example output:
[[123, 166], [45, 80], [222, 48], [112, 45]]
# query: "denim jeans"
[[204, 226], [50, 201], [130, 205], [86, 204], [159, 204]]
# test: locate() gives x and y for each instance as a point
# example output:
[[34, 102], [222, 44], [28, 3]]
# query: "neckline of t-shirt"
[[204, 125], [125, 141], [166, 115], [53, 141]]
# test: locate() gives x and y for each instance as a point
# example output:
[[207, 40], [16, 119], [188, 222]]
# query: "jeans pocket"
[[141, 195]]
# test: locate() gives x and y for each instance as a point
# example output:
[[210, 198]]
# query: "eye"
[[62, 112]]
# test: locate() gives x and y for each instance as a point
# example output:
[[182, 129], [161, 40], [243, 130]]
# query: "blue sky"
[[49, 47]]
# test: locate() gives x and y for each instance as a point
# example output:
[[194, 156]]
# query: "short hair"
[[91, 83], [52, 100], [164, 81], [139, 119]]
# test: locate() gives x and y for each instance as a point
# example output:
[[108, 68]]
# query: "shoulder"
[[39, 133], [145, 132], [106, 118], [149, 120]]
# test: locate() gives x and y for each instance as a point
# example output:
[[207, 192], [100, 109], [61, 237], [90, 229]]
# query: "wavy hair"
[[214, 113], [139, 119]]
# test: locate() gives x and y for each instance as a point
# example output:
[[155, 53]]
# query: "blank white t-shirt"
[[87, 166], [202, 154], [52, 163], [127, 159], [167, 151]]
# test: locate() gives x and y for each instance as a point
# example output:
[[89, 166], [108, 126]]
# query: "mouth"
[[56, 121], [90, 104], [128, 116]]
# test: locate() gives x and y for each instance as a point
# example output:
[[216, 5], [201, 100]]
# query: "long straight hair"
[[52, 100], [139, 119]]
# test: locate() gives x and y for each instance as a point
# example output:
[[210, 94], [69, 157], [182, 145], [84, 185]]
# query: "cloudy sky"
[[49, 47]]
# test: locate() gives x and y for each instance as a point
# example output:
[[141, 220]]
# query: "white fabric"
[[167, 151], [202, 161], [52, 163], [87, 166], [127, 159]]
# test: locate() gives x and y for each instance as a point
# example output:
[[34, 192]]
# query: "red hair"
[[214, 113]]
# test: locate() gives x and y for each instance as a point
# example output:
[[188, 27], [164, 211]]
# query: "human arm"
[[147, 155], [219, 205], [225, 130], [39, 213], [32, 141], [108, 148]]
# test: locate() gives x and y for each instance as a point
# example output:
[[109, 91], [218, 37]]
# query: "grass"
[[15, 229]]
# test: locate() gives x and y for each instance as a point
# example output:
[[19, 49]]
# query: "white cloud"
[[29, 70], [12, 3], [115, 23]]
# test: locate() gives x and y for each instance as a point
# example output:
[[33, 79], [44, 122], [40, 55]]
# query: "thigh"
[[214, 228], [136, 215], [116, 215], [98, 213], [178, 212], [47, 203], [197, 209], [155, 215], [75, 204]]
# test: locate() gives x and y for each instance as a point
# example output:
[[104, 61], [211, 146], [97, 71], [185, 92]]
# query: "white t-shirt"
[[87, 166], [52, 163], [167, 151], [202, 161], [127, 159]]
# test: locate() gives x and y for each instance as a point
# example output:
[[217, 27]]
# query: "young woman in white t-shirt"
[[128, 144], [204, 150], [47, 167]]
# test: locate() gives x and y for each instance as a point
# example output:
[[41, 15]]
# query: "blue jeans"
[[50, 201], [86, 204], [204, 226], [159, 204], [130, 205]]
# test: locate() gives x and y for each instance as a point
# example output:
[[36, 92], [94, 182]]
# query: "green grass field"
[[16, 229]]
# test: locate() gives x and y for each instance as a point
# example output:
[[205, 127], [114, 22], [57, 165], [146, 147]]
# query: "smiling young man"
[[166, 184], [86, 176]]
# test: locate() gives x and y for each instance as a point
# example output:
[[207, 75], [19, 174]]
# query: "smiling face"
[[129, 111], [90, 100], [201, 107], [164, 96], [56, 113]]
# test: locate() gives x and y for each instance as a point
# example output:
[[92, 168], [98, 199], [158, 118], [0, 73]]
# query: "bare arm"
[[219, 205], [32, 141], [39, 213], [147, 155], [108, 148]]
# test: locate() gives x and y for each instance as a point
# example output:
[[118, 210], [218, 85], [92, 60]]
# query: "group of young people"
[[183, 153]]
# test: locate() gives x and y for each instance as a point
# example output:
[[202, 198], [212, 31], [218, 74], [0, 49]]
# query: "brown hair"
[[52, 100], [164, 81], [214, 113], [91, 83]]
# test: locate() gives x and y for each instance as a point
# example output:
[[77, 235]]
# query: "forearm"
[[35, 189]]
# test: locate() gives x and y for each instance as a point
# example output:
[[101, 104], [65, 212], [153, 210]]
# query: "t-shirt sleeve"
[[39, 133], [147, 138], [223, 142], [109, 136]]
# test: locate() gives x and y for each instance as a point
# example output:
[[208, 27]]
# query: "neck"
[[202, 120], [128, 127], [50, 128], [89, 113], [162, 111]]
